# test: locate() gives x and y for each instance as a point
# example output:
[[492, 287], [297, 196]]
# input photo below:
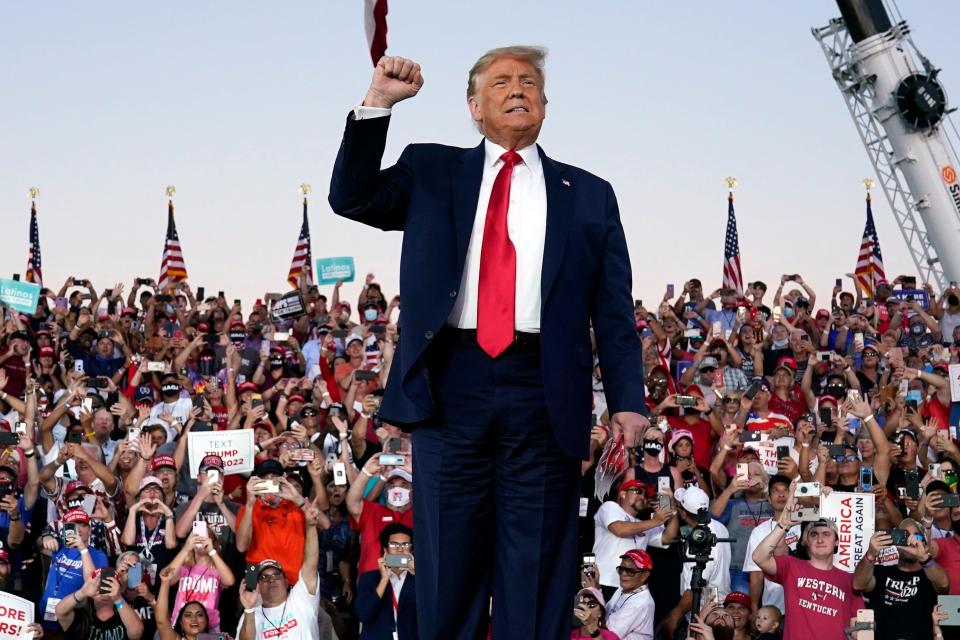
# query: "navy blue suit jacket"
[[376, 614], [431, 195]]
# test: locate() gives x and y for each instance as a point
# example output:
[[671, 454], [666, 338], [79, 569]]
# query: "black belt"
[[522, 341]]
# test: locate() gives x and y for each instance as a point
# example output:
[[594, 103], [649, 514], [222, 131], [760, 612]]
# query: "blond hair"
[[535, 56]]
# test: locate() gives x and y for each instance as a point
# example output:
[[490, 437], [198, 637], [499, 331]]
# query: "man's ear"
[[475, 112]]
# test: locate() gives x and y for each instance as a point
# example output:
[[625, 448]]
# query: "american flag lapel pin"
[[565, 182]]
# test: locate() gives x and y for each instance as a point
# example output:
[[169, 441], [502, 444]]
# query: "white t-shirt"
[[772, 592], [630, 615], [608, 548], [180, 409], [295, 619]]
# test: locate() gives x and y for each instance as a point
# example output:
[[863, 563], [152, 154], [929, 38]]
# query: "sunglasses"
[[627, 571], [850, 458], [399, 546], [269, 577]]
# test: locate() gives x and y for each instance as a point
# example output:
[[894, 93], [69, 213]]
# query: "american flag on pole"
[[172, 268], [732, 275], [34, 265], [302, 256], [869, 269], [375, 25]]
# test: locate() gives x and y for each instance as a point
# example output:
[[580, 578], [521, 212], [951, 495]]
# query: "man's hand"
[[630, 425], [394, 79]]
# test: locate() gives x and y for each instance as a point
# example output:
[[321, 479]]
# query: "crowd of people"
[[106, 528]]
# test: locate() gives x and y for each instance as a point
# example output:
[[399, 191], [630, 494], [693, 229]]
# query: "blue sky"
[[238, 103]]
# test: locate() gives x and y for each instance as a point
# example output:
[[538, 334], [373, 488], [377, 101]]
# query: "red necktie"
[[498, 267]]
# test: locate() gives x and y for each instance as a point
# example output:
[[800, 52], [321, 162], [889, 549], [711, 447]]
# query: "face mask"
[[370, 315], [398, 497], [918, 329], [788, 312], [836, 391], [652, 447], [781, 344], [170, 389]]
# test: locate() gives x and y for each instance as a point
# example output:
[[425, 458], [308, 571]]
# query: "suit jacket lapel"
[[467, 176], [559, 214]]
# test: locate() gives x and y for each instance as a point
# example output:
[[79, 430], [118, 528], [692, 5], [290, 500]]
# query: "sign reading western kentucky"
[[15, 614], [235, 447], [853, 515]]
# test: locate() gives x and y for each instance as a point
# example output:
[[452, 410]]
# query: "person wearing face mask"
[[172, 403], [650, 464], [371, 312], [369, 517], [777, 346], [922, 329]]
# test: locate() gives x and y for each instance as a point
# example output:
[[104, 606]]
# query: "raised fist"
[[394, 79]]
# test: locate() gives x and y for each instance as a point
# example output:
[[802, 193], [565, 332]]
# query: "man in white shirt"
[[617, 529], [276, 611], [765, 592], [630, 609]]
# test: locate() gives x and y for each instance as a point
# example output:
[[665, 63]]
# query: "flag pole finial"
[[731, 183], [34, 192], [305, 189], [171, 190], [868, 184]]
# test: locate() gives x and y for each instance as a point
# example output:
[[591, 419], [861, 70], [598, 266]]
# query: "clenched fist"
[[394, 79]]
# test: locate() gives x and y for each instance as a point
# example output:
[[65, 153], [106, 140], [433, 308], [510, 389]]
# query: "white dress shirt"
[[526, 226]]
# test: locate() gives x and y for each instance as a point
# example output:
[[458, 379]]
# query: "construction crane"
[[900, 110]]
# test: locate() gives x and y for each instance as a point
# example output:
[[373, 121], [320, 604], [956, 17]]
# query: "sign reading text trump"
[[15, 614], [853, 515], [329, 270], [20, 296], [235, 447]]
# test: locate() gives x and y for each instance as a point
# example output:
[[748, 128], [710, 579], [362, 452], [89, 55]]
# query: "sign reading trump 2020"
[[15, 614], [853, 515], [20, 296], [234, 447]]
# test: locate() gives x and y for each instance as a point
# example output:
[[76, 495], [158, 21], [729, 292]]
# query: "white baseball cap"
[[692, 499]]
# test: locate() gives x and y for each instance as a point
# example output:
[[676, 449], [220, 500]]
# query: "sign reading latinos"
[[853, 514], [234, 447], [20, 296], [15, 614], [329, 270]]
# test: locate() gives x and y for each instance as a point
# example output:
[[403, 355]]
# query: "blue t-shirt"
[[66, 576]]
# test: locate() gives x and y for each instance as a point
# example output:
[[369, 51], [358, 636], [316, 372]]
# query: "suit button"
[[428, 335], [453, 294]]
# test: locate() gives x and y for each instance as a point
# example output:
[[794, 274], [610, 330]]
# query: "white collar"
[[529, 154]]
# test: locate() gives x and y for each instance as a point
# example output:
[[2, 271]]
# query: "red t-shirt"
[[373, 519], [793, 407], [278, 534], [819, 603], [949, 559], [703, 437]]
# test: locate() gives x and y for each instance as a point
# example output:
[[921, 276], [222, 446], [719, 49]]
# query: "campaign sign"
[[20, 296], [767, 452], [955, 382], [289, 305], [909, 295], [329, 270], [15, 614], [854, 517], [235, 447]]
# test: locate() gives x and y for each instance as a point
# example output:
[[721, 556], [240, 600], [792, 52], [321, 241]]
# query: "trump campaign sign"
[[19, 296], [329, 270], [15, 614], [853, 515], [234, 447]]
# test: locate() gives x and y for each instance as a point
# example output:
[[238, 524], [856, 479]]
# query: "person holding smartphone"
[[202, 573], [98, 610], [386, 598], [369, 517]]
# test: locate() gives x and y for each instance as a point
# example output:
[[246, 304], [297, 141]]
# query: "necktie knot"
[[511, 158]]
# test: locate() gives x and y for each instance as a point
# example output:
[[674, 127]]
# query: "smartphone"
[[74, 437], [268, 487], [281, 336], [823, 356], [60, 302], [96, 383], [686, 401], [156, 367], [713, 593], [134, 575], [899, 536], [8, 438], [751, 436], [89, 503], [950, 604], [339, 473], [637, 304], [21, 428], [339, 333], [16, 276], [88, 405], [807, 489], [200, 528], [304, 454], [213, 476], [834, 450], [378, 328], [866, 478], [783, 451], [392, 460], [826, 416], [934, 468], [256, 400], [912, 482], [396, 561], [236, 302], [366, 375], [105, 573], [752, 391], [200, 292], [838, 282], [663, 484], [393, 445], [670, 290], [949, 500], [808, 514], [865, 618], [70, 529], [717, 329], [250, 576], [743, 469], [78, 366], [777, 313]]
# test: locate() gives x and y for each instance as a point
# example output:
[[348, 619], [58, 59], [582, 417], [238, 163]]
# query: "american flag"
[[172, 268], [732, 276], [869, 269], [302, 256], [375, 26], [34, 264]]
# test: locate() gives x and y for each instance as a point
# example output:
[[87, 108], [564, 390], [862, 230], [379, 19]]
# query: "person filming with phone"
[[369, 518], [386, 596], [630, 609], [97, 611]]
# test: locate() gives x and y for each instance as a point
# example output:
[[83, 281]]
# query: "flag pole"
[[170, 191]]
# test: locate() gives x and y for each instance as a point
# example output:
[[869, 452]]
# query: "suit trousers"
[[495, 501]]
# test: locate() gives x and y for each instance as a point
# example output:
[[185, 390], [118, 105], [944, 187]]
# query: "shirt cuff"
[[361, 112]]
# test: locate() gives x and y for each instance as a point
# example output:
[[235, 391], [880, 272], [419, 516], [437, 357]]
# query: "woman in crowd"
[[203, 574], [193, 618]]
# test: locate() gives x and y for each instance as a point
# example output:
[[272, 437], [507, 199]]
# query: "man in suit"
[[492, 372], [386, 596]]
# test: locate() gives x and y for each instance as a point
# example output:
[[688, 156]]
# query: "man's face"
[[399, 543], [631, 576], [634, 498], [779, 494], [355, 349], [272, 585], [105, 347], [821, 541], [102, 422], [720, 618], [908, 448], [728, 302], [780, 332], [782, 379], [508, 101]]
